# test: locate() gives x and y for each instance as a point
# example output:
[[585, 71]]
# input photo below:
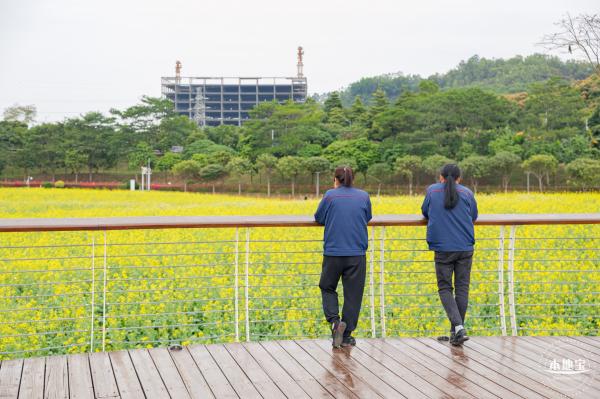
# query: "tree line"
[[551, 130]]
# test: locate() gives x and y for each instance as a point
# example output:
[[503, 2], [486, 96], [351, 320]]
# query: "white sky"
[[72, 56]]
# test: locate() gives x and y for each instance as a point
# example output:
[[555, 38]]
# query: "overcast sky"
[[72, 56]]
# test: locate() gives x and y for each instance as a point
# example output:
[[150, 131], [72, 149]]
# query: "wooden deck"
[[486, 367]]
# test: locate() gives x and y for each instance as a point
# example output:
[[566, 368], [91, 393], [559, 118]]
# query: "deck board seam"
[[360, 348]]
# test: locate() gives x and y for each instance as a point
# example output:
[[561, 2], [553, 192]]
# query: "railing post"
[[501, 281], [382, 280], [236, 284], [372, 283], [93, 291], [105, 275], [511, 280], [246, 284]]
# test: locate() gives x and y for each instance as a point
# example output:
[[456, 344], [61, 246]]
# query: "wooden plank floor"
[[486, 367]]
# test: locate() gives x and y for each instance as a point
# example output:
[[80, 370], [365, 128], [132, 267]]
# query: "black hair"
[[450, 172], [344, 175]]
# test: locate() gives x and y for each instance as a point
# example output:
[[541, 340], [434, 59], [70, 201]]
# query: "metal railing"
[[72, 285]]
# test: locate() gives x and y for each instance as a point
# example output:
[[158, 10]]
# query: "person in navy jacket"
[[451, 210], [345, 212]]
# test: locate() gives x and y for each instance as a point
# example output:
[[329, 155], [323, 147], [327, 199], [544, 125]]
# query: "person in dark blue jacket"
[[451, 210], [345, 212]]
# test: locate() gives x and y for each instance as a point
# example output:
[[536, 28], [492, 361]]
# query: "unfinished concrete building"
[[213, 101]]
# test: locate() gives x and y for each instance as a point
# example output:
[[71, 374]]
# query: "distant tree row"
[[552, 131], [500, 76]]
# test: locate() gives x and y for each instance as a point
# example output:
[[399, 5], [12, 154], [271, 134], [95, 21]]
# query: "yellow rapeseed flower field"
[[68, 292]]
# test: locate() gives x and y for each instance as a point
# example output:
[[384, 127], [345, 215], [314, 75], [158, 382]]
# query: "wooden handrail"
[[181, 222]]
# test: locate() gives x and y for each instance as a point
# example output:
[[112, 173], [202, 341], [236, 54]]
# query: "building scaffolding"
[[213, 101]]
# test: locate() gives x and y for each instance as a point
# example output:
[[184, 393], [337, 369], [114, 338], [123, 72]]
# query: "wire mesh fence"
[[74, 291]]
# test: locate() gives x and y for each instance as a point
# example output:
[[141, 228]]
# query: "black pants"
[[459, 264], [352, 270]]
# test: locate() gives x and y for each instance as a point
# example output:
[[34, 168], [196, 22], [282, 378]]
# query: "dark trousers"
[[459, 264], [352, 270]]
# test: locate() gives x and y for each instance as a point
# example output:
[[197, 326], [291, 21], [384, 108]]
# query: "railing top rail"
[[170, 222]]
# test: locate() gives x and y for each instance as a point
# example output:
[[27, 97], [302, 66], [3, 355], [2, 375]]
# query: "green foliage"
[[188, 170], [142, 154], [167, 161], [59, 184], [239, 167], [504, 163], [584, 173], [266, 162], [212, 172], [497, 75], [174, 131], [361, 152], [358, 112], [554, 104], [433, 164], [332, 102], [510, 75], [426, 123], [540, 166], [408, 167], [317, 164], [475, 167], [379, 104], [290, 167]]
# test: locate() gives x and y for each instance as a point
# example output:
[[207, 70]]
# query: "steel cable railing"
[[136, 282]]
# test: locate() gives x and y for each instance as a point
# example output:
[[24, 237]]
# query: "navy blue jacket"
[[449, 230], [345, 212]]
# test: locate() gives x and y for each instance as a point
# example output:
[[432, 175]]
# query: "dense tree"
[[362, 151], [554, 104], [267, 163], [379, 104], [584, 173], [141, 122], [188, 170], [212, 173], [239, 167], [540, 166], [433, 165], [408, 167], [332, 102], [167, 161], [504, 163], [380, 172], [475, 167], [174, 131], [316, 166], [290, 167], [497, 75], [450, 116], [94, 135], [141, 156], [358, 112], [75, 161]]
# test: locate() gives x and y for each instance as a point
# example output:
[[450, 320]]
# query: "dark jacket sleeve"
[[474, 210], [425, 206], [321, 212], [369, 211]]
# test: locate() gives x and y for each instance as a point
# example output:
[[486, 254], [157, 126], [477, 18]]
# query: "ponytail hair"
[[451, 173], [344, 175]]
